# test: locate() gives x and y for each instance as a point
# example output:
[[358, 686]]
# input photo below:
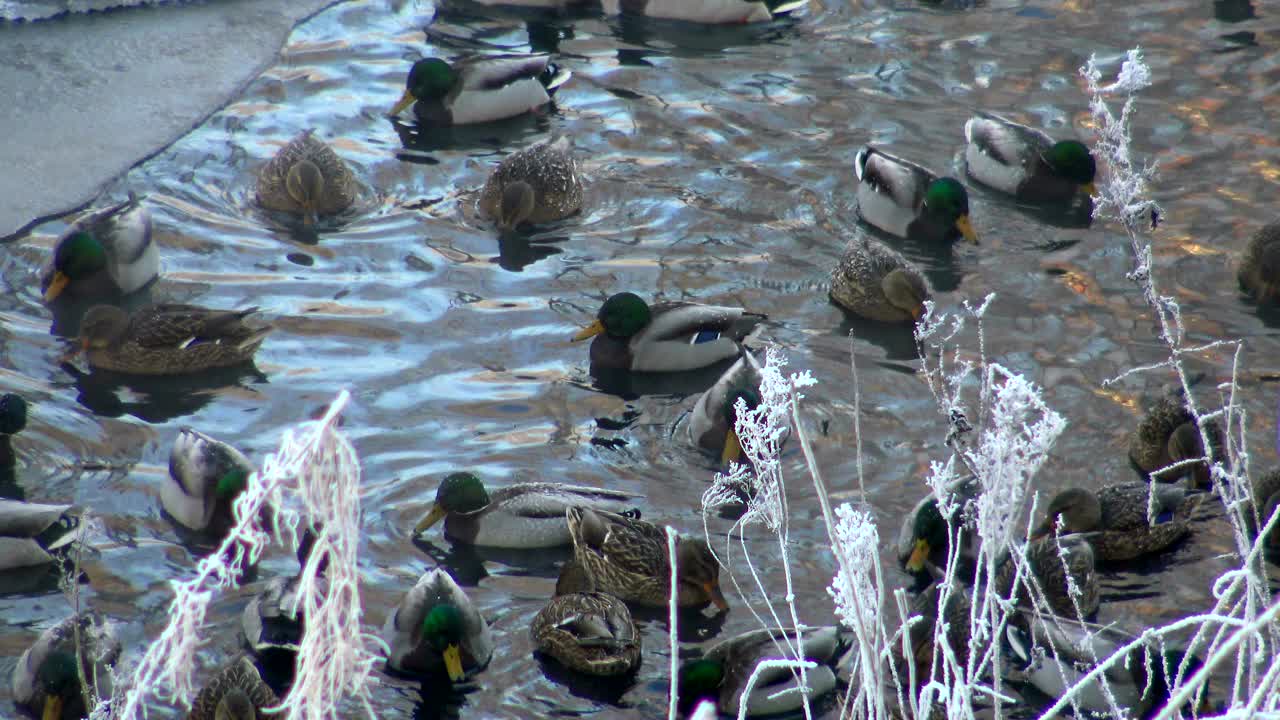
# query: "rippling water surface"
[[719, 163]]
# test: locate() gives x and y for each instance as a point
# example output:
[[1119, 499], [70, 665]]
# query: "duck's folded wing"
[[23, 519], [1003, 140], [492, 72], [902, 181], [549, 500]]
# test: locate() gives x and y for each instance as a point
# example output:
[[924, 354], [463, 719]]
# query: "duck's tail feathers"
[[860, 161], [787, 6], [968, 130], [555, 76]]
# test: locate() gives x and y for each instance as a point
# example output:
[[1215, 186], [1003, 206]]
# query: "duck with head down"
[[536, 185], [711, 426], [437, 629]]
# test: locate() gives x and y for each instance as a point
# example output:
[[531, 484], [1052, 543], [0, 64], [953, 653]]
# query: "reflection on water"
[[720, 170]]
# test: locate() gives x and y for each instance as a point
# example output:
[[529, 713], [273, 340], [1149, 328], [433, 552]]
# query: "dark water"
[[720, 170]]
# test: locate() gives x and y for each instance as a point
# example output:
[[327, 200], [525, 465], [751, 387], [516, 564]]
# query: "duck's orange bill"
[[1091, 188], [52, 707], [434, 515], [405, 101], [56, 286], [966, 229], [919, 554], [590, 331], [732, 448], [717, 597], [453, 663]]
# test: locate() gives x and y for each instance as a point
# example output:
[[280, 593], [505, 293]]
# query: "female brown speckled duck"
[[168, 339], [307, 178], [536, 185]]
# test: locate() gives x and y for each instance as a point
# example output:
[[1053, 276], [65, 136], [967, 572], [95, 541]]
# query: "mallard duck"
[[920, 635], [1114, 518], [705, 11], [524, 515], [923, 536], [103, 256], [589, 632], [1070, 649], [910, 202], [13, 420], [236, 692], [632, 335], [437, 628], [33, 534], [168, 339], [1025, 162], [711, 426], [1259, 271], [1266, 500], [479, 89], [205, 477], [539, 184], [1167, 434], [628, 558], [269, 622], [1051, 563], [721, 674], [306, 177], [45, 680], [878, 283]]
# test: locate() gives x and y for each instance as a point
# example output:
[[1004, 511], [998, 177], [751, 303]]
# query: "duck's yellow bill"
[[56, 286], [434, 515], [917, 312], [919, 554], [732, 448], [1091, 188], [590, 331], [966, 229], [717, 598], [453, 663], [52, 707], [405, 101]]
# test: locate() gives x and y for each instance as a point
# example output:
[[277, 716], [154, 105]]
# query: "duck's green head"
[[732, 446], [621, 316], [929, 531], [905, 291], [235, 705], [61, 682], [947, 202], [231, 484], [429, 79], [442, 630], [79, 256], [13, 414], [1072, 160], [460, 492], [700, 680], [305, 184]]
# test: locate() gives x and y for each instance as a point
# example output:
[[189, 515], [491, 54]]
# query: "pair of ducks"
[[910, 202]]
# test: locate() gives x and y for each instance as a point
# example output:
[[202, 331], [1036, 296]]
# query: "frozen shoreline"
[[94, 93]]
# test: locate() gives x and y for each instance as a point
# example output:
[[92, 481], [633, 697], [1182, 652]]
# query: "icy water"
[[719, 163]]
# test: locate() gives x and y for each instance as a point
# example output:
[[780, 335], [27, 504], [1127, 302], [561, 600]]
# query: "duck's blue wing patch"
[[704, 336]]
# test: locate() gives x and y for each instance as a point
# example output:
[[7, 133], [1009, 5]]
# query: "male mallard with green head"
[[1259, 271], [705, 11], [1054, 654], [537, 185], [437, 629], [168, 339], [46, 682], [235, 692], [34, 534], [1025, 162], [632, 335], [1168, 434], [715, 415], [106, 255], [628, 558], [307, 178], [479, 89], [907, 201], [1114, 518], [721, 674], [923, 536], [520, 516], [878, 283], [591, 632], [206, 475]]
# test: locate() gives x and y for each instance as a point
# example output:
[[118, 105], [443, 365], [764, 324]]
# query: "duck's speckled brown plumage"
[[590, 632], [1122, 531], [1051, 573], [238, 674], [339, 189], [168, 339], [920, 634], [857, 281], [550, 170], [628, 558], [1149, 444], [1259, 271]]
